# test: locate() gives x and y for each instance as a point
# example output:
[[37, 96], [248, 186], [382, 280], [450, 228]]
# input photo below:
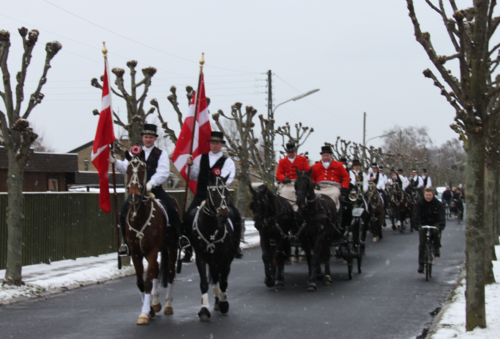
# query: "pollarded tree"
[[474, 96], [135, 99], [18, 138], [299, 137]]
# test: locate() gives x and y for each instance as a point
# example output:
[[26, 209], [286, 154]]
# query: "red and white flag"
[[103, 138], [201, 130]]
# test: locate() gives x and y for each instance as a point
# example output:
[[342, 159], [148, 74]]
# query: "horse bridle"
[[220, 186], [135, 163]]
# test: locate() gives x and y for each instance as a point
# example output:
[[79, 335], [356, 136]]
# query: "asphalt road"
[[388, 300]]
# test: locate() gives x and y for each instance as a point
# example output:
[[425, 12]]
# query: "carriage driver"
[[158, 170], [208, 162], [429, 212], [286, 171], [331, 176]]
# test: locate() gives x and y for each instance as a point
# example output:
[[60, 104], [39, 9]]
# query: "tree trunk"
[[15, 222], [474, 232], [489, 249]]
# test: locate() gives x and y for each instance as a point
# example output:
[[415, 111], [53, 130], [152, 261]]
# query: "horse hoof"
[[143, 319], [157, 307], [279, 285], [152, 313], [311, 287], [169, 310], [269, 282], [295, 259], [204, 314], [328, 280], [224, 307], [216, 305]]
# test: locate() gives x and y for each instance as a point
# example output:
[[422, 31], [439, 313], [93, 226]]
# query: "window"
[[52, 183]]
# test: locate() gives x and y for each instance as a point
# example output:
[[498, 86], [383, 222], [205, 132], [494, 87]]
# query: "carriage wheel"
[[349, 260], [360, 258]]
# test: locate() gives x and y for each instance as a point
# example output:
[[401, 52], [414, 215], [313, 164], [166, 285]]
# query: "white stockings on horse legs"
[[170, 295], [216, 290], [146, 305], [204, 300], [155, 292]]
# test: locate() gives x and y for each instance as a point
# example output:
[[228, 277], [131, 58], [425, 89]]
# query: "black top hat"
[[374, 165], [424, 170], [326, 149], [381, 167], [356, 162], [414, 170], [217, 136], [393, 170], [290, 147], [149, 129], [400, 170], [343, 159]]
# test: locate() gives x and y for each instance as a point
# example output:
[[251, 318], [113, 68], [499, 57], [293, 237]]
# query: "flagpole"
[[196, 104], [112, 148]]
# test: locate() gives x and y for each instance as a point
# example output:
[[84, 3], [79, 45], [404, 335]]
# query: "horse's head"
[[218, 196], [136, 173], [303, 187], [260, 205]]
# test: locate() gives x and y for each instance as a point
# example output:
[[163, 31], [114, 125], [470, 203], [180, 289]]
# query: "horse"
[[213, 240], [401, 207], [359, 223], [377, 212], [147, 235], [274, 219], [318, 214]]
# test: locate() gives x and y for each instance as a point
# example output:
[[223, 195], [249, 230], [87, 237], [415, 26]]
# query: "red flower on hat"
[[136, 150], [216, 172]]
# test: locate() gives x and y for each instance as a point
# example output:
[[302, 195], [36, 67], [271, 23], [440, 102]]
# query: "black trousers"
[[167, 201], [435, 237], [234, 215]]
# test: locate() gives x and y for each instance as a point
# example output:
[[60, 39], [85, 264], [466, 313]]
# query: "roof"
[[84, 146], [45, 162]]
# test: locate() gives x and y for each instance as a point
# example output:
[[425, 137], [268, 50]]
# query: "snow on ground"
[[44, 279], [452, 322]]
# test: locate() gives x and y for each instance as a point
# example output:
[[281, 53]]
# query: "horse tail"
[[163, 275]]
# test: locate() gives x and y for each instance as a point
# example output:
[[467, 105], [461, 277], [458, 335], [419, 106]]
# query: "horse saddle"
[[164, 210]]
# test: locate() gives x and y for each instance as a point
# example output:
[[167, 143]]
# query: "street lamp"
[[380, 136], [270, 117]]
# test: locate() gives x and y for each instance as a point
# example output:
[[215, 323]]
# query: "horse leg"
[[172, 258], [267, 259], [311, 286], [296, 254], [281, 257], [217, 296], [139, 272], [204, 313], [327, 280], [214, 279], [155, 293], [147, 311], [224, 270]]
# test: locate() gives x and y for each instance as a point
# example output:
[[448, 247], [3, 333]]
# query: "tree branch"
[[4, 54]]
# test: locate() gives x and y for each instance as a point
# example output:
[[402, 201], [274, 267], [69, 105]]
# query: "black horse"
[[274, 219], [318, 216], [214, 244], [359, 219], [401, 206], [377, 211]]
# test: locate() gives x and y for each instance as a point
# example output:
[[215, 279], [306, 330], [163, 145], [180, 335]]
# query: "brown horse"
[[377, 212], [401, 207], [147, 235]]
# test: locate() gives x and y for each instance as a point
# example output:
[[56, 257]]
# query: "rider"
[[446, 197], [286, 173], [400, 179], [416, 182], [356, 174], [210, 161], [400, 172], [379, 180], [158, 170], [330, 175], [426, 179], [430, 212]]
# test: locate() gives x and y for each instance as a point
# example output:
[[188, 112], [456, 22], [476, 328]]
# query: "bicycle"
[[428, 254]]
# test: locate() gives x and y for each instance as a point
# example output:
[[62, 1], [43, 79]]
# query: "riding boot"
[[124, 251]]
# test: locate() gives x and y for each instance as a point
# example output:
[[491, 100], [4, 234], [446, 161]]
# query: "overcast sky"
[[362, 55]]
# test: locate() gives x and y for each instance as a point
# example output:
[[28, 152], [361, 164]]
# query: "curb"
[[435, 322]]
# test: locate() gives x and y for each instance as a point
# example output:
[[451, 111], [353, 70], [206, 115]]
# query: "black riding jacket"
[[429, 213]]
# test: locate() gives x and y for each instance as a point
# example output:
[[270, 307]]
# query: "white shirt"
[[419, 180], [326, 164], [227, 169], [162, 171], [404, 181], [381, 181], [429, 181], [292, 159]]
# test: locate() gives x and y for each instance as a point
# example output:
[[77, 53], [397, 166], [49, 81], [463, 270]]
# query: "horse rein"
[[220, 186]]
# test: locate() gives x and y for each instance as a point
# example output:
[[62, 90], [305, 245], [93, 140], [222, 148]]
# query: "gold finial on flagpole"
[[104, 49], [202, 60]]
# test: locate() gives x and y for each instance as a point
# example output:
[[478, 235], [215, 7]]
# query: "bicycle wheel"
[[428, 261]]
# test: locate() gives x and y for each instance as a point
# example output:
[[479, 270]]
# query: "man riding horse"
[[210, 162], [330, 176], [158, 171], [286, 173], [356, 175], [416, 184]]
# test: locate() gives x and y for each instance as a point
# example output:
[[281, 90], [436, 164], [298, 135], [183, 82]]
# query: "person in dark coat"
[[446, 197], [429, 212]]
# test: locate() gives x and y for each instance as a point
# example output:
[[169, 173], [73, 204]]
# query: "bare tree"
[[18, 137], [474, 96], [299, 137], [136, 116]]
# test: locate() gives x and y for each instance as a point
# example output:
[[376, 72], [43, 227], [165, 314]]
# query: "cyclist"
[[446, 198], [457, 201], [429, 211]]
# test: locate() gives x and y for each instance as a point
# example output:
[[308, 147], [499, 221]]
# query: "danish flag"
[[103, 138], [201, 130]]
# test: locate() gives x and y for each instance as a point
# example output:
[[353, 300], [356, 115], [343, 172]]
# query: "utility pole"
[[364, 138], [270, 117]]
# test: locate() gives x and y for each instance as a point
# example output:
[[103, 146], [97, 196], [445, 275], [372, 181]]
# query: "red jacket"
[[286, 169], [335, 172]]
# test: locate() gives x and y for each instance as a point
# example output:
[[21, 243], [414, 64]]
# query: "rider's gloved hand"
[[287, 180], [149, 186], [344, 191], [112, 159]]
